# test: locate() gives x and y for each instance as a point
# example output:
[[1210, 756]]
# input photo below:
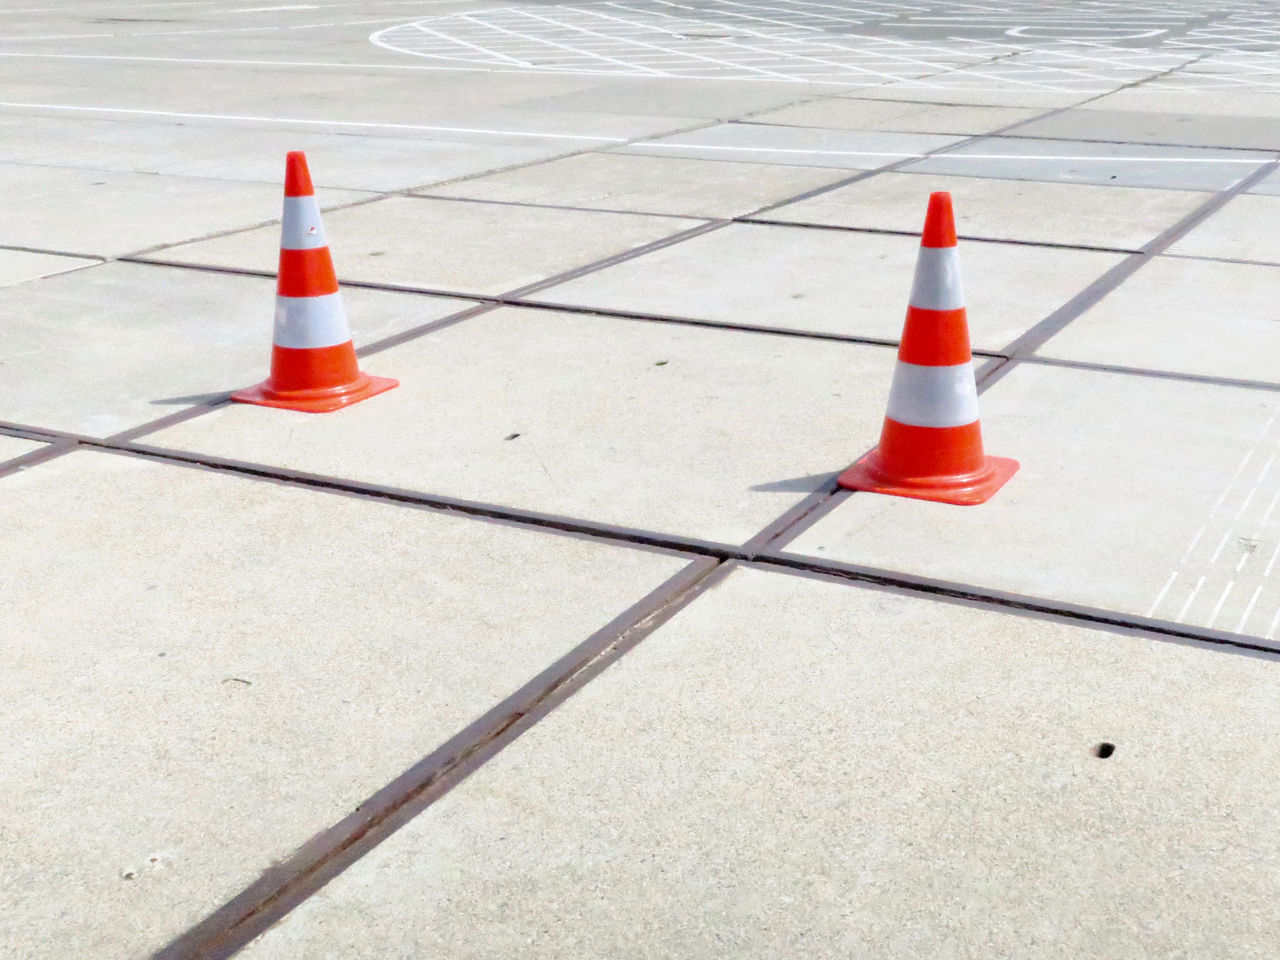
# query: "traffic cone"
[[313, 361], [931, 444]]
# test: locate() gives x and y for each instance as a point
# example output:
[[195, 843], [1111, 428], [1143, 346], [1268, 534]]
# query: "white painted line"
[[1160, 596], [907, 154], [1244, 617], [1217, 607], [242, 63], [235, 118], [1270, 508], [305, 6], [1187, 606], [1194, 541], [1271, 630], [1272, 564], [1221, 543]]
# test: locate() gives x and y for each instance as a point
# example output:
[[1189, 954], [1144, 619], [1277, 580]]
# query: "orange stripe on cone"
[[306, 273], [313, 360], [931, 443]]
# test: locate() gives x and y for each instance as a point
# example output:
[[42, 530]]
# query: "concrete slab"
[[448, 244], [854, 284], [656, 96], [1242, 230], [1067, 213], [1106, 509], [1106, 164], [898, 778], [1190, 95], [986, 95], [11, 447], [107, 213], [1269, 185], [337, 160], [1189, 316], [1140, 126], [803, 146], [848, 114], [113, 347], [18, 266], [623, 422], [230, 666], [674, 185]]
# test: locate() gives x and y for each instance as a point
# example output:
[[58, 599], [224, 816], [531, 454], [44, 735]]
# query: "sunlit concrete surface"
[[801, 767], [262, 659], [1197, 545], [120, 344], [451, 245], [850, 283], [1123, 217], [648, 425], [472, 668], [11, 447]]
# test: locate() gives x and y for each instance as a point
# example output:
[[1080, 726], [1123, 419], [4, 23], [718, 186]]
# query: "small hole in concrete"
[[1104, 750], [511, 436], [377, 253], [661, 363]]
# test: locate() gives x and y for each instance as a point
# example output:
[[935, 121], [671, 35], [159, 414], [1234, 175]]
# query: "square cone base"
[[316, 401], [964, 491]]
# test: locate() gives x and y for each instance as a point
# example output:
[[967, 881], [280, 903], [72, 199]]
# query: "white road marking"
[[1187, 605], [1244, 617], [1271, 630], [484, 131], [361, 125], [658, 145], [1160, 596], [1272, 565], [238, 63], [1217, 607]]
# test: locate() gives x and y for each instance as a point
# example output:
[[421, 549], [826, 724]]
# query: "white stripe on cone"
[[933, 396], [307, 322], [302, 228], [937, 280]]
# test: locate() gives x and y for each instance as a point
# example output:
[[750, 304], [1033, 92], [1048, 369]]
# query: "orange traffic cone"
[[931, 444], [313, 361]]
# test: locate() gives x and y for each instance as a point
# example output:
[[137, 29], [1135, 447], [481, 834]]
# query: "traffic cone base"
[[963, 490], [317, 400]]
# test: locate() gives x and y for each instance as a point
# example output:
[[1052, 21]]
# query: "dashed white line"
[[1187, 605], [1217, 607], [1244, 617], [1161, 595], [355, 124]]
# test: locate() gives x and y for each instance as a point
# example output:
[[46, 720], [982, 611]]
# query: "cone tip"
[[297, 178], [939, 222]]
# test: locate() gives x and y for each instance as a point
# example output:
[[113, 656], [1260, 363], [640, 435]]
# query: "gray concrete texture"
[[1105, 508], [658, 426], [789, 767], [11, 447], [851, 284], [262, 660], [1118, 217], [800, 768], [115, 346], [448, 244]]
